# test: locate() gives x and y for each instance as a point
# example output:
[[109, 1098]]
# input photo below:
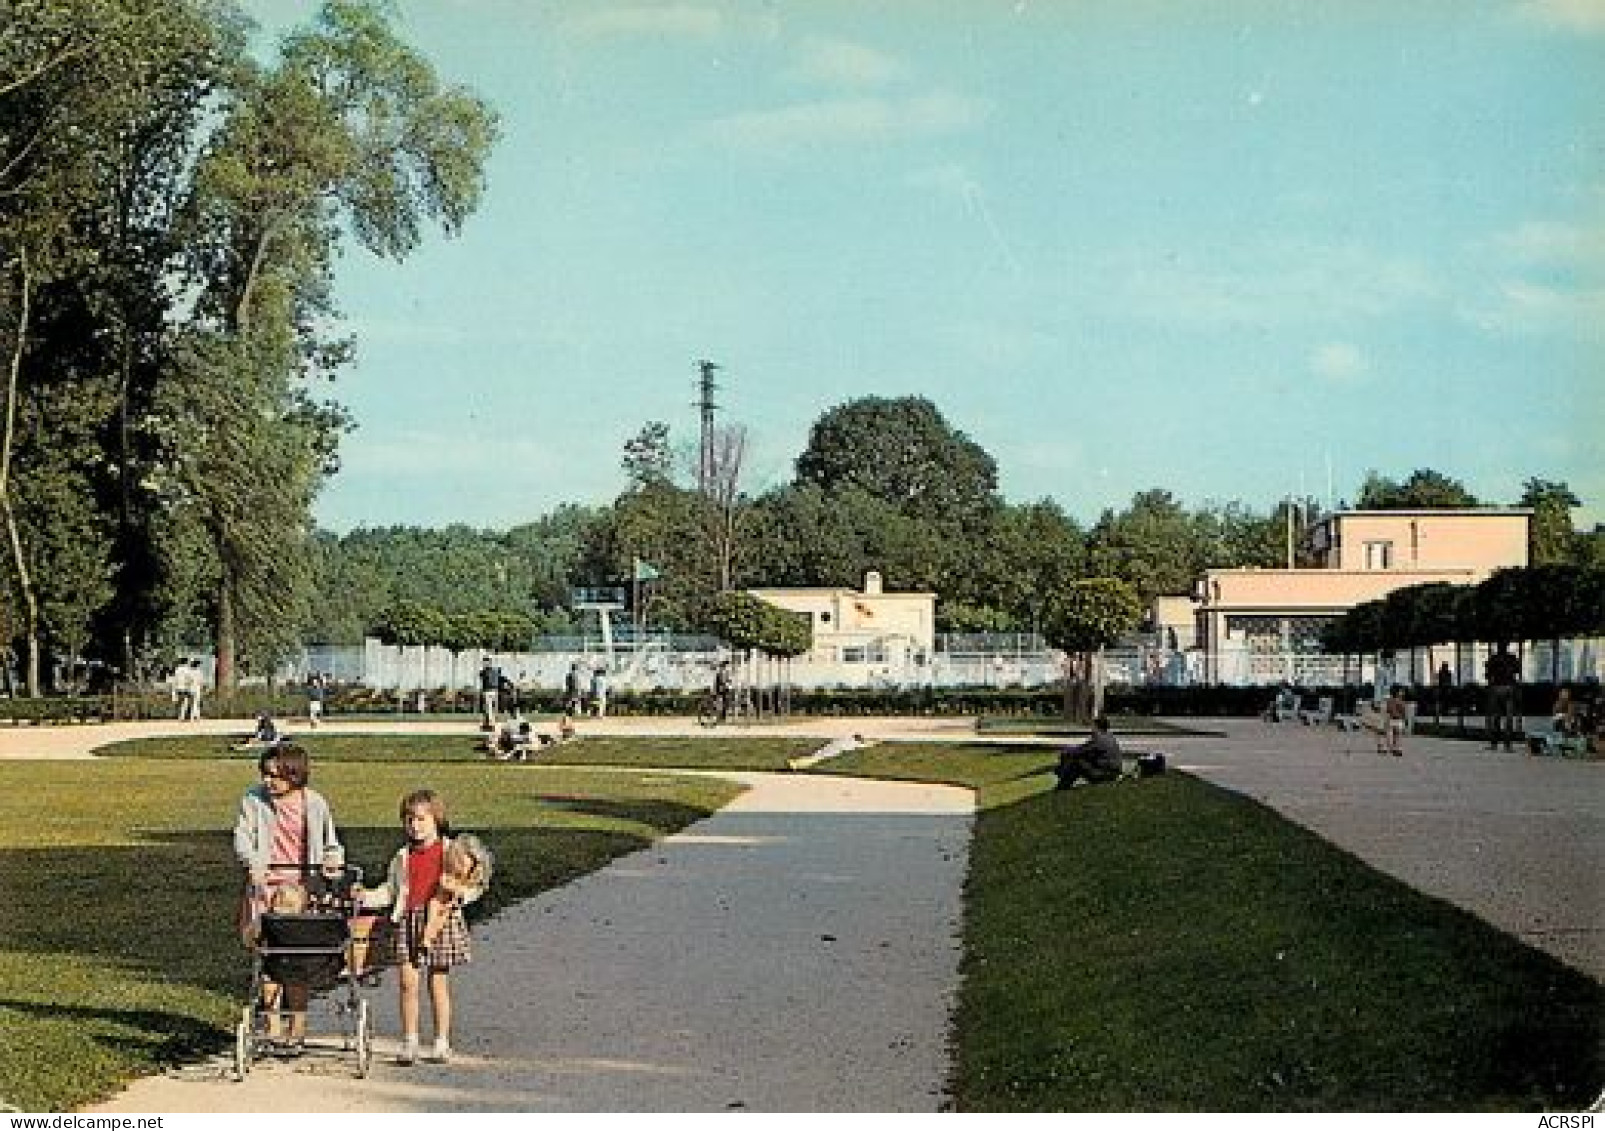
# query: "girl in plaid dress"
[[413, 886]]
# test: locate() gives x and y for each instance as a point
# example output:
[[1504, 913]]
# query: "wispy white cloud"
[[1570, 15], [847, 121], [1547, 243], [677, 21], [843, 65], [1540, 277], [1522, 307], [1339, 362], [1289, 283]]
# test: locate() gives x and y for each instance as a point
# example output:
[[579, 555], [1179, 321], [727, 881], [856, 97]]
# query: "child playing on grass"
[[417, 882]]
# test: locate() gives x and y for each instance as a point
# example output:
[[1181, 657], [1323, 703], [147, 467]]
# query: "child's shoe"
[[440, 1054], [409, 1051]]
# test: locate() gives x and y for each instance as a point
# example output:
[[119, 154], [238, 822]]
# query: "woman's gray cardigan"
[[253, 830]]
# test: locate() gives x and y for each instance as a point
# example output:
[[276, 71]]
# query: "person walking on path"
[[1446, 690], [1395, 715], [317, 691], [283, 831], [723, 689], [489, 684], [187, 690], [573, 692], [1502, 672]]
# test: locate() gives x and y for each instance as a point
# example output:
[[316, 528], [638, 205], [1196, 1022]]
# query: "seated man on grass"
[[1097, 759]]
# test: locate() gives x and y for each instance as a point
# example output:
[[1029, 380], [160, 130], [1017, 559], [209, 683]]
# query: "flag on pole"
[[644, 571]]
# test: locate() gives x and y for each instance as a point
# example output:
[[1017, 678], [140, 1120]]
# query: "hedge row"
[[1198, 701]]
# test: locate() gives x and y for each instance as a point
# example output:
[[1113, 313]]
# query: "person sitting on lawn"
[[1097, 759], [264, 735]]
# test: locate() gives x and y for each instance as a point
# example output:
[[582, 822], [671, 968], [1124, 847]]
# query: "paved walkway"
[[1515, 839]]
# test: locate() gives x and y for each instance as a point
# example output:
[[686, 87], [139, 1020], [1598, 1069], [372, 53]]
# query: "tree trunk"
[[225, 640], [30, 602], [1077, 689]]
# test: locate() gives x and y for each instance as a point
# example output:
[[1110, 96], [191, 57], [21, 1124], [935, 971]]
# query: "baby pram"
[[330, 949]]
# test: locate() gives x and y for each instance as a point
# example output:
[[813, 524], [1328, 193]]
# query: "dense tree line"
[[170, 210], [1551, 602], [882, 484]]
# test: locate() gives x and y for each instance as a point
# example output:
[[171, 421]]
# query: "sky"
[[1234, 250]]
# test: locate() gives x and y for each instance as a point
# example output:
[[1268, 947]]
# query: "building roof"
[[1441, 512]]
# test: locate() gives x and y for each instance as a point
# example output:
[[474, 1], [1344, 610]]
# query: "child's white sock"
[[441, 1051], [409, 1048]]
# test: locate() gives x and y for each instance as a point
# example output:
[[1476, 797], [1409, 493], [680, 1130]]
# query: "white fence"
[[402, 669]]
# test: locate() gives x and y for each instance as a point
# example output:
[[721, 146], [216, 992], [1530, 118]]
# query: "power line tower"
[[706, 385]]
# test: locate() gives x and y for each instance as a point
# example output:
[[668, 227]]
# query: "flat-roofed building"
[[1263, 625], [852, 626]]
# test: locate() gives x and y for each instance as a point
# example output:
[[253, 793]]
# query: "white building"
[[869, 626]]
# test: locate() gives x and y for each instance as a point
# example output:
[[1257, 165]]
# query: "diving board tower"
[[604, 602]]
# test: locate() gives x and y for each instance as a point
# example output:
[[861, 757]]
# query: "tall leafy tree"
[[648, 456], [1153, 545], [1232, 536], [1082, 618], [1425, 489], [98, 99], [1032, 549], [902, 451], [352, 131], [1553, 539]]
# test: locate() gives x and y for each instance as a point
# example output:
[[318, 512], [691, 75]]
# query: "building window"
[[824, 618], [1379, 555], [852, 655]]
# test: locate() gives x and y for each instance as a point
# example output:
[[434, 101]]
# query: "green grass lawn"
[[589, 750], [1167, 945], [1159, 945], [1133, 726], [117, 950]]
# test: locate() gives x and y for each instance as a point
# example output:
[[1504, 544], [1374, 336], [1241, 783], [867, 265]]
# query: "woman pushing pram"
[[297, 910]]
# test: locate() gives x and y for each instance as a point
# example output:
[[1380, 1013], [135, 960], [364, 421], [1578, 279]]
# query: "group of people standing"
[[584, 693], [285, 833]]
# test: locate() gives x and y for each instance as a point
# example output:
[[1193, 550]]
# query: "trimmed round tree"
[[1081, 619]]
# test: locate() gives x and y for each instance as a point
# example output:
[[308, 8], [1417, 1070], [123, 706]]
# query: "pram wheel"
[[364, 1039], [242, 1045]]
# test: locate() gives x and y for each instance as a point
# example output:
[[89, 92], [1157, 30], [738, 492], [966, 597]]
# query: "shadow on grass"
[[1166, 945], [659, 813], [168, 906], [159, 1036], [127, 960]]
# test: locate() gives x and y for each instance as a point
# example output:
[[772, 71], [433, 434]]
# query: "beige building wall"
[[1365, 556], [1417, 540], [867, 624]]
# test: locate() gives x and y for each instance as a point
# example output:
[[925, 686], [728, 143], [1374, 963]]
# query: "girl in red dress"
[[413, 884]]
